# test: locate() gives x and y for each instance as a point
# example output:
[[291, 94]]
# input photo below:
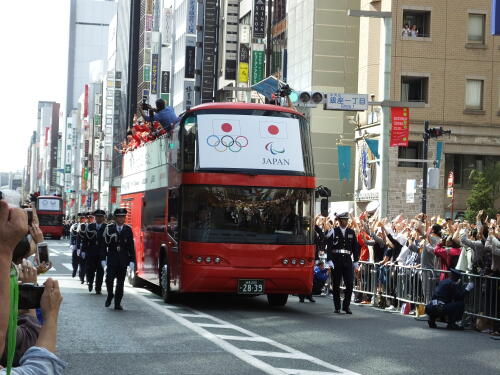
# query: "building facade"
[[451, 65]]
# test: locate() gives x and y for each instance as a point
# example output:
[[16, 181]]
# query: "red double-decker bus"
[[50, 215], [225, 203]]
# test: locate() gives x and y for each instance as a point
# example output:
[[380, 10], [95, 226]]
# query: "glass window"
[[247, 215], [474, 94], [413, 151], [417, 22], [50, 220], [189, 147], [153, 211], [414, 89], [476, 28], [173, 214]]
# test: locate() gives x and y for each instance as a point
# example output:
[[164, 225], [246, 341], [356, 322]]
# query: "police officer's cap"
[[120, 212], [82, 214], [99, 213], [343, 215]]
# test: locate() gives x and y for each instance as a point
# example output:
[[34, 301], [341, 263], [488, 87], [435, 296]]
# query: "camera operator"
[[38, 359], [165, 115]]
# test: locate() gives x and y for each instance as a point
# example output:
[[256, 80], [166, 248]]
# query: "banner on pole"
[[344, 161], [400, 132]]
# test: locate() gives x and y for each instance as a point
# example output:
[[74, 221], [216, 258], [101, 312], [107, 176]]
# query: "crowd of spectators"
[[423, 243], [410, 31], [27, 337]]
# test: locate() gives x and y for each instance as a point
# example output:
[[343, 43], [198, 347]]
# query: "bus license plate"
[[250, 286]]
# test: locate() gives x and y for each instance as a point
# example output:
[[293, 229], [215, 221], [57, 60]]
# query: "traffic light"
[[437, 132], [310, 98]]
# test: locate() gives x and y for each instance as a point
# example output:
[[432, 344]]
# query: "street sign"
[[451, 179], [450, 192], [346, 102], [267, 87]]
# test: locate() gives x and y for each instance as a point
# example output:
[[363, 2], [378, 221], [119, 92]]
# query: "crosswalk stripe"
[[69, 266]]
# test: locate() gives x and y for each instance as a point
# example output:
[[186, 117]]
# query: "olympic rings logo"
[[226, 142]]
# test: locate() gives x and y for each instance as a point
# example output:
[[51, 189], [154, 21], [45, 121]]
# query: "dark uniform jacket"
[[449, 291], [94, 241], [336, 241], [120, 246], [73, 234]]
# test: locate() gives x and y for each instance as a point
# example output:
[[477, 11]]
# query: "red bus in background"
[[224, 203], [50, 215]]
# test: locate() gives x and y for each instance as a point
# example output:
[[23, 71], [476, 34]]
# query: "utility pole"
[[424, 172]]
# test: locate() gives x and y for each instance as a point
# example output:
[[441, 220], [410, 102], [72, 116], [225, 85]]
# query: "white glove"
[[77, 252], [356, 265], [132, 266], [103, 263], [469, 286], [72, 247], [330, 264]]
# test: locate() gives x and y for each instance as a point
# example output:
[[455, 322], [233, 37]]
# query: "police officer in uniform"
[[82, 246], [74, 242], [448, 301], [120, 253], [95, 251], [342, 249]]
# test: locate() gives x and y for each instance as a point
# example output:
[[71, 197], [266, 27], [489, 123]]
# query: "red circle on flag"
[[226, 127], [273, 129]]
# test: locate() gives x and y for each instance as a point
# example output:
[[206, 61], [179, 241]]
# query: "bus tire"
[[166, 293], [277, 299]]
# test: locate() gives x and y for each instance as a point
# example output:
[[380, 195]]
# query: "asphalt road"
[[232, 335]]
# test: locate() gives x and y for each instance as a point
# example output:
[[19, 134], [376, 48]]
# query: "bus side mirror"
[[324, 207]]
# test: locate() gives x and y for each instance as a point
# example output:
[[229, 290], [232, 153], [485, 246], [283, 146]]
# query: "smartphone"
[[43, 253], [30, 296], [29, 211]]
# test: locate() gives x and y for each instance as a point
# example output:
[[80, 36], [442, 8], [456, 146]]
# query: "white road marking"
[[248, 356], [69, 266], [244, 338], [194, 315]]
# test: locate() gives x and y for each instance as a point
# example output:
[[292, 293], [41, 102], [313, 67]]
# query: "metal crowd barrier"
[[416, 286]]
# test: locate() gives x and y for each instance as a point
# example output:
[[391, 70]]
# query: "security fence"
[[416, 286]]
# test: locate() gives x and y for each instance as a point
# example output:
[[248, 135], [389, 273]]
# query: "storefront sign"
[[400, 132], [191, 17], [259, 19], [146, 73], [257, 66], [190, 62], [154, 73], [165, 82]]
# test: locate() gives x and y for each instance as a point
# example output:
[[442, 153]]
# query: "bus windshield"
[[240, 214], [246, 140], [50, 220]]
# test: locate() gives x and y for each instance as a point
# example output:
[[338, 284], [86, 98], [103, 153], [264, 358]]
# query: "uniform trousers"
[[95, 270], [342, 269], [119, 274], [452, 311], [82, 261], [74, 262]]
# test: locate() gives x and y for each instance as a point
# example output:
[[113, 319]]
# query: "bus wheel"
[[277, 299], [166, 293]]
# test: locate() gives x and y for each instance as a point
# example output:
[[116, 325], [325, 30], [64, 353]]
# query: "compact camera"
[[30, 296]]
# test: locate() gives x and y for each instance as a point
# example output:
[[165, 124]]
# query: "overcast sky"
[[33, 67]]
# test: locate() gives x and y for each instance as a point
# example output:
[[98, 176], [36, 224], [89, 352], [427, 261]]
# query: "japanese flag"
[[226, 127], [275, 130]]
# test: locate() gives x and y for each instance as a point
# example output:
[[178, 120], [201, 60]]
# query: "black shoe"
[[311, 300], [301, 300], [73, 274], [336, 311], [455, 327], [432, 323], [91, 287], [118, 307], [108, 301], [347, 311], [358, 300], [98, 292], [82, 282]]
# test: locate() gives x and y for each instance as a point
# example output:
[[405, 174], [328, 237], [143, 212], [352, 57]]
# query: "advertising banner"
[[243, 72], [155, 60], [147, 73], [47, 204], [259, 19], [400, 132], [165, 82], [191, 17], [257, 66], [249, 142]]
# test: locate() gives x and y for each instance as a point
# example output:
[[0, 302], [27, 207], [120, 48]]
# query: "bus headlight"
[[294, 261], [208, 259], [285, 261], [302, 262], [199, 260], [217, 260]]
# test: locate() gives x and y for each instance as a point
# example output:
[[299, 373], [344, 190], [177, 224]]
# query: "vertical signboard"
[[191, 17], [154, 73], [208, 62], [495, 17], [257, 66], [400, 132], [189, 93], [146, 73], [259, 19], [244, 61], [165, 82], [190, 62], [232, 17]]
